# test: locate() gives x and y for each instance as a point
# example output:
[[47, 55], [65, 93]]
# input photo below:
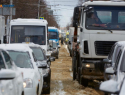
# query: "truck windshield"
[[106, 17], [53, 35], [21, 59], [35, 34]]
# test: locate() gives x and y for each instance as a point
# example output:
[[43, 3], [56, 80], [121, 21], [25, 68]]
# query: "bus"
[[53, 34], [29, 30]]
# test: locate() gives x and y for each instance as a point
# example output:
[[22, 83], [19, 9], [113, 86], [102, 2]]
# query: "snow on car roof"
[[16, 47], [34, 45]]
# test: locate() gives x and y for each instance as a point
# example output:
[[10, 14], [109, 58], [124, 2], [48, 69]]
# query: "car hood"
[[27, 72]]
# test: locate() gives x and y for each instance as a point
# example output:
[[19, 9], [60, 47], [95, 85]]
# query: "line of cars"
[[24, 70]]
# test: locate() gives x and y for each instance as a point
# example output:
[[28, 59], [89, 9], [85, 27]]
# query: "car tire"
[[74, 68], [22, 93], [57, 56], [79, 74], [84, 82], [37, 92], [47, 91]]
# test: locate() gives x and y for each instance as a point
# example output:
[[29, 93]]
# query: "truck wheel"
[[84, 82], [74, 68]]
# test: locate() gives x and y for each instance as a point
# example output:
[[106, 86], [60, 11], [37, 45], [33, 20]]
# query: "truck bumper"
[[92, 69]]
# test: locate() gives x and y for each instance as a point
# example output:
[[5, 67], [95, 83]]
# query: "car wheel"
[[37, 92], [47, 91], [74, 68], [79, 74], [57, 57], [84, 82], [22, 93]]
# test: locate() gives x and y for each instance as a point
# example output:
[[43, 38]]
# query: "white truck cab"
[[29, 30], [102, 24]]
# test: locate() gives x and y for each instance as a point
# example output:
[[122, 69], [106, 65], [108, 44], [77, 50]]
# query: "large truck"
[[101, 23], [2, 30], [29, 30]]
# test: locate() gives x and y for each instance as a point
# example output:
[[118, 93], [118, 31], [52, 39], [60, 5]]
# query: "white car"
[[43, 61], [111, 60], [11, 79], [24, 58], [114, 85]]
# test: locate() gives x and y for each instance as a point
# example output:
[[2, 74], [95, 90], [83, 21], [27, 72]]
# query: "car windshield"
[[2, 65], [38, 53], [21, 59], [53, 35], [35, 34], [106, 17], [122, 68]]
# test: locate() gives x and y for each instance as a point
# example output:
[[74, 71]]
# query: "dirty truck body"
[[96, 38]]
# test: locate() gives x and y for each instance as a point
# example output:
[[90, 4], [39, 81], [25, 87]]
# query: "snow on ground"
[[59, 89]]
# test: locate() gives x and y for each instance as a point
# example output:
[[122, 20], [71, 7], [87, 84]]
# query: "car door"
[[6, 86], [17, 79]]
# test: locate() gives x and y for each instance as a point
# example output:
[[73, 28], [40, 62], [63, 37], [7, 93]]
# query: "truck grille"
[[103, 47]]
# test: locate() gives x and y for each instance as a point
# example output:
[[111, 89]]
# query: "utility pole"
[[11, 9], [38, 7]]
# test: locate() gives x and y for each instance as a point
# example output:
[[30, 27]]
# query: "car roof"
[[16, 47]]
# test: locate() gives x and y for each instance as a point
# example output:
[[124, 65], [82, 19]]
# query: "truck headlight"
[[27, 83], [45, 71], [89, 65]]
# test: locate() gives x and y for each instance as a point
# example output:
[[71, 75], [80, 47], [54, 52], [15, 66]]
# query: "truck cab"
[[101, 24]]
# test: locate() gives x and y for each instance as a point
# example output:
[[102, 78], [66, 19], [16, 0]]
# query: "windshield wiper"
[[110, 31], [102, 27]]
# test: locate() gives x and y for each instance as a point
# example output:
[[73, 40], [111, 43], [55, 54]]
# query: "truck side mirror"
[[75, 16]]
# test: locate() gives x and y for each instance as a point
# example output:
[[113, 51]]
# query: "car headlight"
[[45, 71], [27, 83], [54, 51]]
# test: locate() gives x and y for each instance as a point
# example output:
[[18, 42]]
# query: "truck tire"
[[83, 81], [74, 68]]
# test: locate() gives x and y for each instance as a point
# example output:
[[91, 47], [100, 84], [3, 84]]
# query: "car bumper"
[[30, 91]]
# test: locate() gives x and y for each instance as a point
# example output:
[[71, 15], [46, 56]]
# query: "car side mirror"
[[107, 61], [109, 70], [52, 59], [110, 86], [69, 42], [42, 66], [7, 74], [58, 46]]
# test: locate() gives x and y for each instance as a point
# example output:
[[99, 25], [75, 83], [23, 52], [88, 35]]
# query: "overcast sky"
[[64, 10]]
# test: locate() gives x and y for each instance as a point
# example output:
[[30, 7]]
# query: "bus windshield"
[[35, 34], [53, 35], [106, 17]]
